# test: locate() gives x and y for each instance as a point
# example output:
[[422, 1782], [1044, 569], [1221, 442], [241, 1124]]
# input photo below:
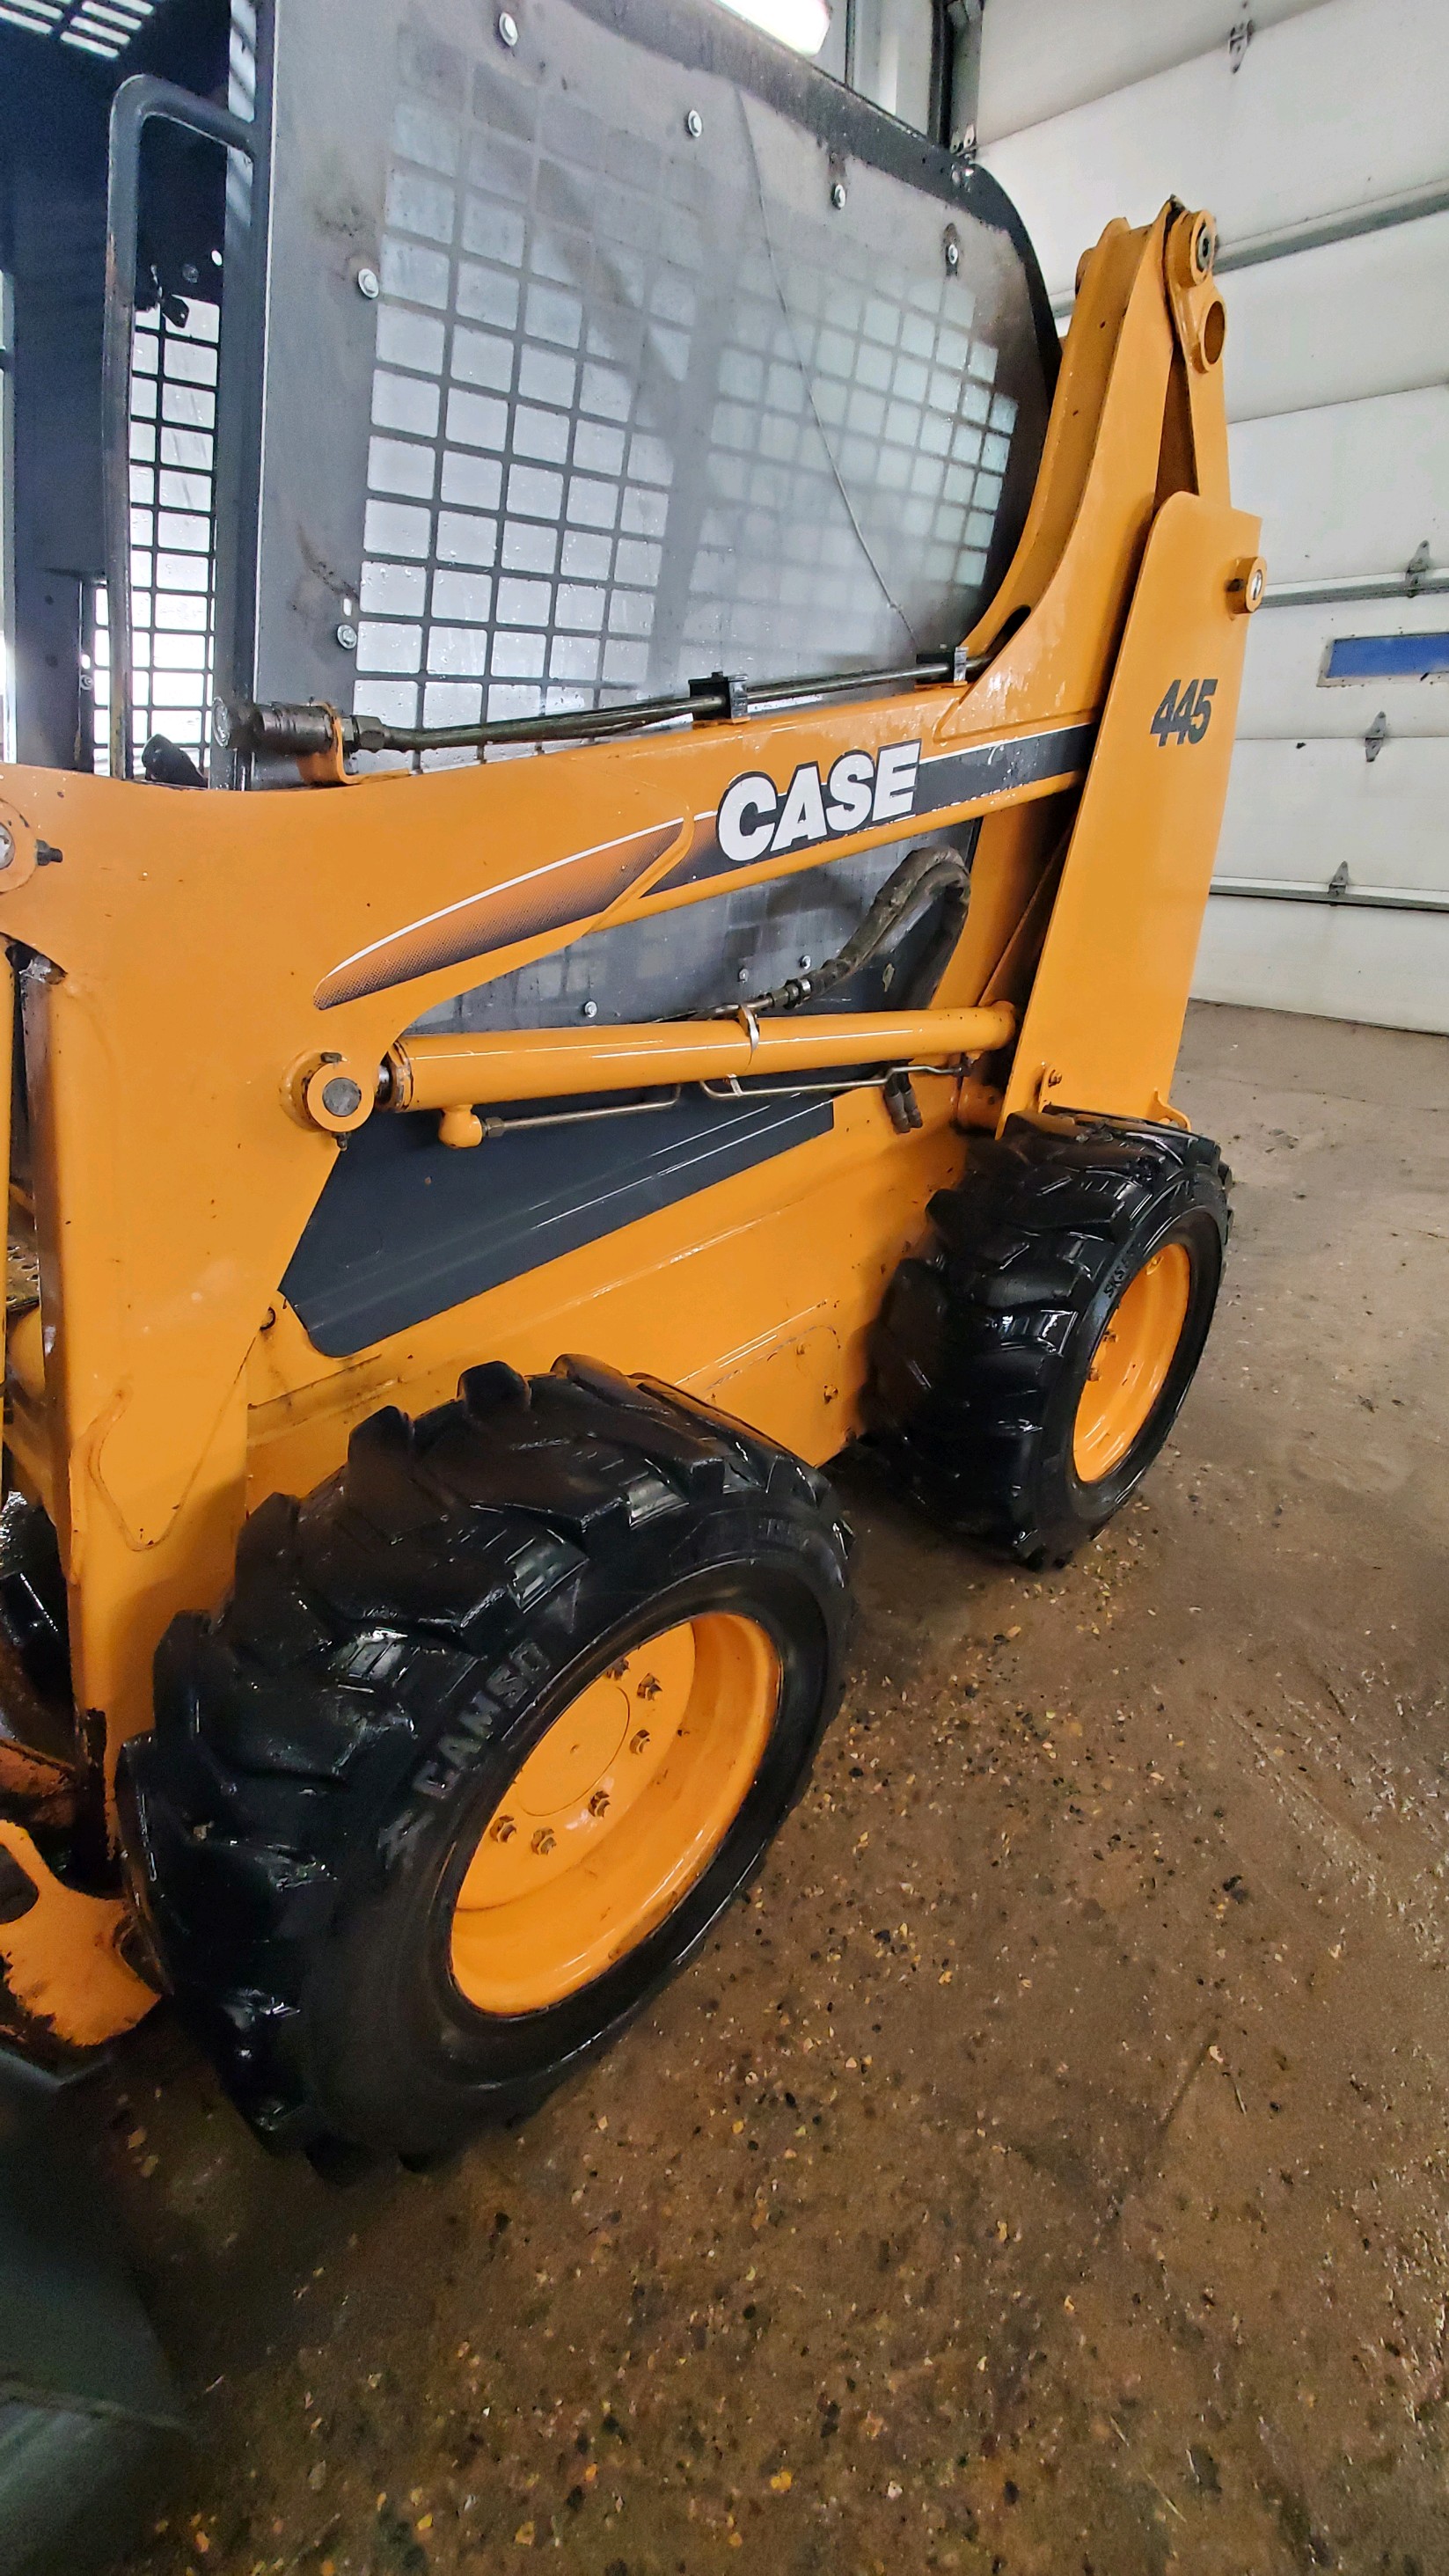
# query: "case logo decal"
[[758, 820]]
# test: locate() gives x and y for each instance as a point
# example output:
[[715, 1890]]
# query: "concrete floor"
[[1048, 2171]]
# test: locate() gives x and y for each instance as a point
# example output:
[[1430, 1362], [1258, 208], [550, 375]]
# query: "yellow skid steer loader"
[[718, 747]]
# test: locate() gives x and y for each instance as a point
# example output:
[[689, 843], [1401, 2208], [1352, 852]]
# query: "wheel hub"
[[1130, 1363], [614, 1815]]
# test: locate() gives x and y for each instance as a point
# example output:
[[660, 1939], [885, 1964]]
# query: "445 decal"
[[1185, 712]]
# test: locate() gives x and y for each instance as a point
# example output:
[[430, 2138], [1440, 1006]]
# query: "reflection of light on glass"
[[802, 24]]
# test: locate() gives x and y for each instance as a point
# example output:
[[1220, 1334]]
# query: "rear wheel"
[[1131, 1363], [495, 1725], [1028, 1367]]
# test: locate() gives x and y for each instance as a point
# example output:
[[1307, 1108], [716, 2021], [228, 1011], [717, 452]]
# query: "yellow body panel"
[[209, 966], [62, 1977], [1110, 992], [758, 1293]]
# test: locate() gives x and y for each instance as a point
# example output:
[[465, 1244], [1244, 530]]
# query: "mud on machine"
[[721, 731]]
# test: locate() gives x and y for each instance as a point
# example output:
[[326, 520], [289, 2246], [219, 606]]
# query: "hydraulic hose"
[[921, 874]]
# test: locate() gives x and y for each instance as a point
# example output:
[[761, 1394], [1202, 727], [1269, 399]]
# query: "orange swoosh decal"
[[547, 897]]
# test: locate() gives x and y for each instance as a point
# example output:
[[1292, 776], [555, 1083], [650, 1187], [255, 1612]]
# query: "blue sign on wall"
[[1386, 657]]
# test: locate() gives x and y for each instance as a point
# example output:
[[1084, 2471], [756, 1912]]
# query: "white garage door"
[[1329, 126]]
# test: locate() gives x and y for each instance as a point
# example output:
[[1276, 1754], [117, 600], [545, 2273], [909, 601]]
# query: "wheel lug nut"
[[649, 1688], [639, 1743], [599, 1803], [502, 1829], [543, 1842]]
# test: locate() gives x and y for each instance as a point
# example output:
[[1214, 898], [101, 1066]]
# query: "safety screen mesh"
[[173, 514], [102, 27], [603, 458]]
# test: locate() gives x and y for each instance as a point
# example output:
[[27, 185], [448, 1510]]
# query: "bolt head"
[[1255, 585], [507, 29], [544, 1841], [7, 845], [369, 284], [640, 1743], [953, 255], [502, 1829], [341, 1096], [694, 125], [591, 1010], [837, 195], [599, 1803], [347, 637]]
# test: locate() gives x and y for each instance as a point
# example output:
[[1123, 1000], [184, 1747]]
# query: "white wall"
[[1338, 395]]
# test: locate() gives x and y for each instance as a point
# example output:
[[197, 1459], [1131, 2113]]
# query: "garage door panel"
[[1360, 317], [1282, 692], [1041, 57], [1338, 395], [1122, 155], [1302, 813], [1350, 488], [1389, 969], [1340, 107]]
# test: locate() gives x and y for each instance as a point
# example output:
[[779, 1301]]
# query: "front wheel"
[[1028, 1367], [495, 1725]]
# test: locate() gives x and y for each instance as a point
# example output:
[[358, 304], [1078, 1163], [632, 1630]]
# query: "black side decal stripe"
[[1000, 768]]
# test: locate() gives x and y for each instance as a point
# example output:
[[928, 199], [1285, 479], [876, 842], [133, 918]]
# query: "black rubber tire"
[[984, 1341], [328, 1749]]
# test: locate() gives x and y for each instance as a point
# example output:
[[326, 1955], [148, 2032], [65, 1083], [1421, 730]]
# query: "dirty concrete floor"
[[1049, 2169]]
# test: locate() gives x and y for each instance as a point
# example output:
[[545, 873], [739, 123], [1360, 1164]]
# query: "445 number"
[[1185, 712]]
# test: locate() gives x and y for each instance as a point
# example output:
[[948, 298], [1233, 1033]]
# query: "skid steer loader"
[[718, 746]]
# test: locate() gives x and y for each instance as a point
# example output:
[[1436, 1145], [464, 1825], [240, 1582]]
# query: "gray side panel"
[[72, 2331], [406, 1227], [329, 184], [89, 2419]]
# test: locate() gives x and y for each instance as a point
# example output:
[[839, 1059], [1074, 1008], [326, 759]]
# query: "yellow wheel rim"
[[1130, 1363], [615, 1814]]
